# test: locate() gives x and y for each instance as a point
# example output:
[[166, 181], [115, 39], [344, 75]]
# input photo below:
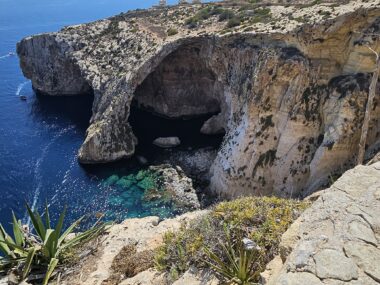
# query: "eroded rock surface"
[[290, 93], [337, 240], [145, 233], [178, 186]]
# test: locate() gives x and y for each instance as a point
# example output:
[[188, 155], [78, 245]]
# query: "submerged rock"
[[162, 190], [142, 160], [167, 142], [178, 186]]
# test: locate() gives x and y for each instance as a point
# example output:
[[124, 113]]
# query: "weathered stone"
[[362, 231], [336, 239], [176, 184], [167, 142], [330, 263], [366, 256], [195, 277], [299, 278], [148, 277]]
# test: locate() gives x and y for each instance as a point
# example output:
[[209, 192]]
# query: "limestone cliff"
[[336, 240], [290, 84]]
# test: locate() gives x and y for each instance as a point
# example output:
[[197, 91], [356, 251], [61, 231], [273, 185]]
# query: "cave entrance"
[[176, 100]]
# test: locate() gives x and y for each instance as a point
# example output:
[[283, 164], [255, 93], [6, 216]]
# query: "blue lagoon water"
[[39, 137]]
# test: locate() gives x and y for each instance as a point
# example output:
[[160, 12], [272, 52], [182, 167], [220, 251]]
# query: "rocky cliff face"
[[290, 85], [336, 240]]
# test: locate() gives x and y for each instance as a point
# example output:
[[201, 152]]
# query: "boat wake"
[[20, 87], [9, 54], [38, 169]]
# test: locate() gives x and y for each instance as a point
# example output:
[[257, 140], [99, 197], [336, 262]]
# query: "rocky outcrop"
[[336, 240], [177, 185], [290, 91], [145, 234]]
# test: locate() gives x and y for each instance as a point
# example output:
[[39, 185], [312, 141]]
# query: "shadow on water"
[[148, 126], [75, 110]]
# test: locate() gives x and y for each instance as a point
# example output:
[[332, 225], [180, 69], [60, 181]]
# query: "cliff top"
[[122, 43], [226, 17]]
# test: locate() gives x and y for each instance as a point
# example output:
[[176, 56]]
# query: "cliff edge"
[[289, 84]]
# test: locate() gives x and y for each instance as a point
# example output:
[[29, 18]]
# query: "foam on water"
[[20, 87], [38, 170], [9, 54]]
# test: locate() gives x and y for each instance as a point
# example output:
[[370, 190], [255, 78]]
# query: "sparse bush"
[[202, 15], [192, 22], [261, 219], [233, 22], [226, 15], [261, 15], [172, 32], [129, 263]]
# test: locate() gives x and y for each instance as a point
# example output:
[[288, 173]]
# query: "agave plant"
[[238, 260], [44, 247]]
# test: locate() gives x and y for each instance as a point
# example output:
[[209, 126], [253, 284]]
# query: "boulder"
[[167, 142], [213, 126]]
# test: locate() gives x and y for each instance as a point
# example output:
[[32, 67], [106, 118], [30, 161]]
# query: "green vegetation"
[[45, 248], [235, 14], [233, 22], [202, 15], [226, 15], [217, 240], [172, 32], [239, 266]]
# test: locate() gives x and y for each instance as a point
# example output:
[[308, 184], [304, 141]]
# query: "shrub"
[[203, 14], [260, 219], [172, 32], [233, 22], [192, 22], [261, 15], [129, 263], [226, 15]]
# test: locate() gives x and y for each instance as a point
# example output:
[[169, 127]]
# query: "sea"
[[40, 136]]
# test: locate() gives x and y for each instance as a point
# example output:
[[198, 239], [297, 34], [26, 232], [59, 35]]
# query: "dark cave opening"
[[148, 126], [176, 100]]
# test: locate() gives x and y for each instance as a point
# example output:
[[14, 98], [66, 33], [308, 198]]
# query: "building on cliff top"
[[180, 2]]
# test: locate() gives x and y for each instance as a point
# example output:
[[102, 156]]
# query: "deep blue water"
[[39, 137]]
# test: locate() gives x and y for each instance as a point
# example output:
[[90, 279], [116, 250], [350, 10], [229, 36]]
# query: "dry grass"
[[129, 263]]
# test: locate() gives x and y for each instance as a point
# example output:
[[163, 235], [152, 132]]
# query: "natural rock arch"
[[291, 103]]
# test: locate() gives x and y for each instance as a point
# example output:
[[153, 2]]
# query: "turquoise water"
[[39, 137]]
